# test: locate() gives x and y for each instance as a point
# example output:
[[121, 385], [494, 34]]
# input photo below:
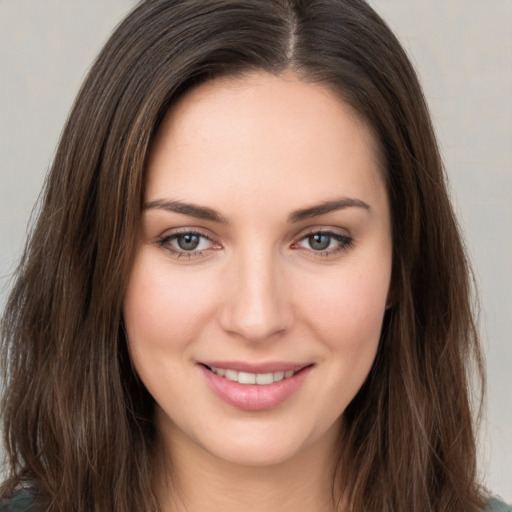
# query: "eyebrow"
[[205, 213], [192, 210], [326, 207]]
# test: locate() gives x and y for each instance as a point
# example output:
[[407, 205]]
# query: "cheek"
[[162, 310], [346, 310]]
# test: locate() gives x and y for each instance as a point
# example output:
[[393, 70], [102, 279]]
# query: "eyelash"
[[166, 243], [345, 243]]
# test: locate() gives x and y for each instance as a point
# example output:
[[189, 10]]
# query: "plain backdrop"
[[462, 50]]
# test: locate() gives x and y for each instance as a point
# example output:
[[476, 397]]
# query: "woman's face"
[[256, 299]]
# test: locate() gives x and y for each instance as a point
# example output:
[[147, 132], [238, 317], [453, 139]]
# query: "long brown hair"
[[77, 421]]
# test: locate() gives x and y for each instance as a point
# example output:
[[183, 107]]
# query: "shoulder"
[[496, 505], [22, 501]]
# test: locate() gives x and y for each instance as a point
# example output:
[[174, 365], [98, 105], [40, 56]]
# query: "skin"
[[255, 149]]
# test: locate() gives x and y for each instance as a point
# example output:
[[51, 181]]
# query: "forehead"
[[253, 134]]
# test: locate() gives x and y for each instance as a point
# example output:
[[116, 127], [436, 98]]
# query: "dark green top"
[[496, 505], [22, 502]]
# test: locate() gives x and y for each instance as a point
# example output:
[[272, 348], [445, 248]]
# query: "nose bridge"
[[256, 307]]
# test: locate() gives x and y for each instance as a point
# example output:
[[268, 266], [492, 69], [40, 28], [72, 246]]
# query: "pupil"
[[319, 242], [188, 242]]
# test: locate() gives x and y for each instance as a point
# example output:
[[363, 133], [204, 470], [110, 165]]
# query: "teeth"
[[252, 378], [264, 378], [246, 378], [278, 376], [231, 375]]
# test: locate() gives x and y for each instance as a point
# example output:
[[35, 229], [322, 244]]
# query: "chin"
[[257, 452], [261, 444]]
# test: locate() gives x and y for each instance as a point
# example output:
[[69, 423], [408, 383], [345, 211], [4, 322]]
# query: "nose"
[[256, 305]]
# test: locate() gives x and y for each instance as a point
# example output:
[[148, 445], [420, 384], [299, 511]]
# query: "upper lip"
[[266, 367]]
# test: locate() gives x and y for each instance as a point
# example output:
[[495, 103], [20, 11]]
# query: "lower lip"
[[254, 397]]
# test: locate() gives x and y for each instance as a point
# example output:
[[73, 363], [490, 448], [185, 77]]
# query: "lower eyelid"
[[205, 247], [166, 239], [345, 242]]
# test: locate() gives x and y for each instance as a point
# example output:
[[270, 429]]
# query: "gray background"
[[463, 52]]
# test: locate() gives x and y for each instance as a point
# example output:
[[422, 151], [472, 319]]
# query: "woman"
[[246, 286]]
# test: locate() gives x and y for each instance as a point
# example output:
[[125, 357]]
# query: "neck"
[[195, 480]]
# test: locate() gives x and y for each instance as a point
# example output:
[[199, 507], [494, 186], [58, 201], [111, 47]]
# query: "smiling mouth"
[[254, 387], [263, 379]]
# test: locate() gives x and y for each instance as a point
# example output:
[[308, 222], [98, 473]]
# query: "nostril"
[[255, 308]]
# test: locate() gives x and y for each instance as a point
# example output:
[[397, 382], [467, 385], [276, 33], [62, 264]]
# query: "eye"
[[188, 241], [187, 244], [325, 243], [319, 241]]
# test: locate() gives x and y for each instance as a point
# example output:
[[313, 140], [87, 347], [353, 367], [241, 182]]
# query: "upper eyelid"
[[168, 237], [165, 242], [332, 234], [168, 233], [323, 229], [333, 231], [336, 233]]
